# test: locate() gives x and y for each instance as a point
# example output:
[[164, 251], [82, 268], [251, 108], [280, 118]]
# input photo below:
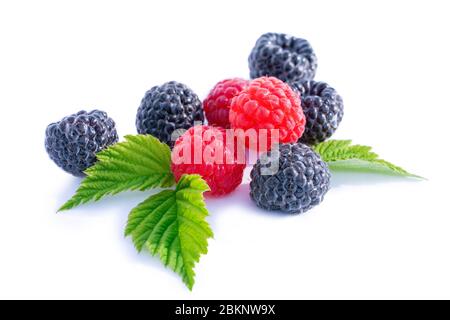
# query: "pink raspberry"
[[203, 150], [217, 103], [269, 103]]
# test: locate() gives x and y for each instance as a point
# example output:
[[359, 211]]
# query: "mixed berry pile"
[[281, 95]]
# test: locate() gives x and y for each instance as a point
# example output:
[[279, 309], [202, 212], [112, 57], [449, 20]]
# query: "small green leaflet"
[[172, 225], [140, 162], [342, 155]]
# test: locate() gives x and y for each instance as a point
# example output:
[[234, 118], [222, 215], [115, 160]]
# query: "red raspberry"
[[203, 150], [269, 103], [217, 103]]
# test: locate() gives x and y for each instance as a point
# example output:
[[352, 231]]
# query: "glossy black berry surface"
[[292, 179], [323, 108], [167, 108], [73, 142], [282, 56]]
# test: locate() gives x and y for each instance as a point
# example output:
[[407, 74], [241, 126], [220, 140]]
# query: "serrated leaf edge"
[[337, 152], [157, 154], [197, 186]]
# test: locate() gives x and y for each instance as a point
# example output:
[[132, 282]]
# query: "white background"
[[373, 237]]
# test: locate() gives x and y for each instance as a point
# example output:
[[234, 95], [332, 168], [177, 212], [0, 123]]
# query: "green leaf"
[[342, 155], [140, 162], [172, 224]]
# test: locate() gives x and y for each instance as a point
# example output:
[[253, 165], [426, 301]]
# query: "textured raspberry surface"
[[73, 142], [292, 179], [217, 103], [269, 103], [323, 108], [203, 150]]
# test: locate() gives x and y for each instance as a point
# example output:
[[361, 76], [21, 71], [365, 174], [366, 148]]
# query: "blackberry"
[[73, 142], [167, 108], [292, 179], [323, 108], [282, 56]]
